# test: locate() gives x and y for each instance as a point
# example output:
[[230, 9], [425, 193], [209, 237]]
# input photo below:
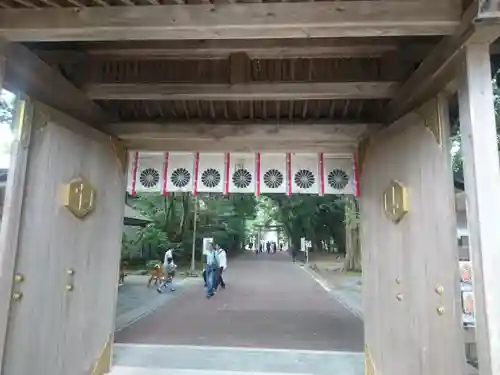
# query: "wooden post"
[[482, 184], [9, 231], [195, 221]]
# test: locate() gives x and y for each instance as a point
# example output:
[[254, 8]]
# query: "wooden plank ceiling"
[[322, 80], [309, 70]]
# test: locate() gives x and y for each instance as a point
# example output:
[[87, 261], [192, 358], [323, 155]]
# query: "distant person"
[[222, 256], [169, 270], [211, 270], [275, 247], [281, 246], [294, 252], [268, 247]]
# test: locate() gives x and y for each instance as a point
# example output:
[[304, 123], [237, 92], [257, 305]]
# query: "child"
[[169, 276]]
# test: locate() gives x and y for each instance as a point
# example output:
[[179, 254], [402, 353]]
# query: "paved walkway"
[[136, 301], [269, 303]]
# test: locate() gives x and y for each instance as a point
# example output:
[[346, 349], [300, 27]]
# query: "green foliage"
[[456, 141], [151, 264], [6, 107], [319, 219], [221, 217]]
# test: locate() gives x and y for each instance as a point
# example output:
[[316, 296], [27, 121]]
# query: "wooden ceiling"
[[323, 79], [228, 61]]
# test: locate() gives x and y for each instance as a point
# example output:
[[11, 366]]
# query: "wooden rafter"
[[241, 136], [51, 3], [270, 144], [251, 91], [440, 66], [26, 3], [26, 73], [314, 130], [232, 21], [254, 52]]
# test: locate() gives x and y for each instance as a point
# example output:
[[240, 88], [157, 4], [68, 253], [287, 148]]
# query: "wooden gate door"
[[64, 253], [409, 249]]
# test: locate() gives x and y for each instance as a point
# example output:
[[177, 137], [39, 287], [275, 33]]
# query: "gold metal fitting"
[[440, 310], [16, 296], [70, 271], [69, 288], [18, 278]]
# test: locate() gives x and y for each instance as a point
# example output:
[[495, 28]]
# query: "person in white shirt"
[[168, 271], [221, 254], [169, 254]]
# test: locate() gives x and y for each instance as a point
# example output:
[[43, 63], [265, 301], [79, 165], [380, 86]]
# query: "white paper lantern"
[[146, 172], [180, 172], [304, 173], [241, 173], [273, 173], [211, 172], [338, 174]]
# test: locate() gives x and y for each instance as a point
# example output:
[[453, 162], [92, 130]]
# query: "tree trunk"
[[186, 199], [353, 244]]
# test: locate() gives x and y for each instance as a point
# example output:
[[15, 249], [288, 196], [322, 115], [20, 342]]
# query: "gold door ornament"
[[430, 114], [78, 197], [369, 365], [395, 201]]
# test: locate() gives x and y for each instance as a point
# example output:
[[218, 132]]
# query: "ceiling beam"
[[273, 144], [251, 91], [26, 73], [439, 68], [202, 131], [222, 49], [242, 136], [232, 21]]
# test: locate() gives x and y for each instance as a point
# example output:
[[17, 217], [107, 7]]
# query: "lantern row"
[[229, 173]]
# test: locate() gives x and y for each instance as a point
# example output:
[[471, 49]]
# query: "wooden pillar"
[[58, 266], [482, 185], [14, 194], [409, 251]]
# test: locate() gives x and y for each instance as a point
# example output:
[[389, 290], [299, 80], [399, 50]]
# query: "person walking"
[[294, 253], [222, 256], [169, 270], [211, 268], [169, 254]]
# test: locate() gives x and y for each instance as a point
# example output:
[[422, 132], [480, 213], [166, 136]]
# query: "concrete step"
[[138, 359], [122, 370]]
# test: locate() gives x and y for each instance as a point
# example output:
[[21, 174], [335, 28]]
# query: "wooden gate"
[[64, 240]]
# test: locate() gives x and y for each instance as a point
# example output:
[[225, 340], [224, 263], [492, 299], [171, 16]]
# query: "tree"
[[6, 117], [353, 235], [319, 219], [6, 107], [221, 217], [456, 139]]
